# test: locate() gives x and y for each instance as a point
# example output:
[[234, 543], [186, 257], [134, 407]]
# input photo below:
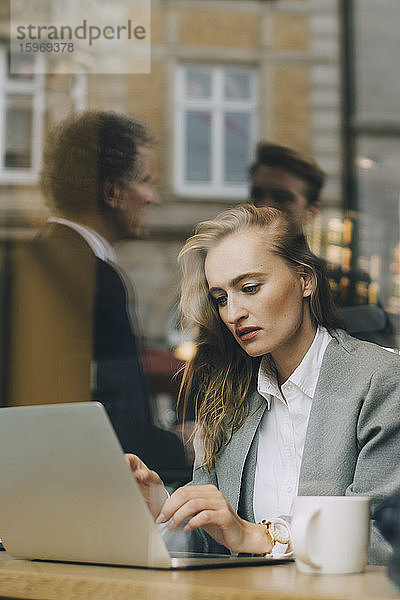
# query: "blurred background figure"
[[292, 181], [286, 179], [73, 330]]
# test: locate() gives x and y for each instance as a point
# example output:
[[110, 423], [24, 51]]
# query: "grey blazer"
[[353, 437]]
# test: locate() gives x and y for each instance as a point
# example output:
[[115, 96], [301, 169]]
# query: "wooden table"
[[62, 581]]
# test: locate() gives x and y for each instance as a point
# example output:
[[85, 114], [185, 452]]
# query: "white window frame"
[[217, 105], [33, 87]]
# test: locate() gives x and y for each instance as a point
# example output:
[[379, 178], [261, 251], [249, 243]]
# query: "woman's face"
[[259, 297]]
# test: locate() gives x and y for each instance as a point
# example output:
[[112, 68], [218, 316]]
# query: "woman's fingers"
[[136, 465], [189, 511], [205, 518], [151, 486], [141, 472], [189, 501], [133, 461], [206, 507]]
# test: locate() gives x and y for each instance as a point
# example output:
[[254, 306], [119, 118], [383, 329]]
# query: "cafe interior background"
[[320, 76]]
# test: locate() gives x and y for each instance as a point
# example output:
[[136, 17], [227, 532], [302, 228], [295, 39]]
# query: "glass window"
[[23, 66], [237, 147], [18, 136], [373, 152], [379, 209], [237, 84], [197, 83], [376, 36], [21, 119], [215, 129], [198, 145]]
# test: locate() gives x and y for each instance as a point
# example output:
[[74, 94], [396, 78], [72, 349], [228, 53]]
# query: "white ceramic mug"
[[330, 534]]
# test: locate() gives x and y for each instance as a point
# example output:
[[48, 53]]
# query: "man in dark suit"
[[72, 324]]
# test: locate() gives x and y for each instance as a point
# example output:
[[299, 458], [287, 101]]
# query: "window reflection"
[[216, 111], [237, 84], [237, 146], [198, 146], [198, 83], [18, 118], [22, 66]]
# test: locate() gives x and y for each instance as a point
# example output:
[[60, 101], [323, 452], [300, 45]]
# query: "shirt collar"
[[100, 246], [307, 373], [305, 376]]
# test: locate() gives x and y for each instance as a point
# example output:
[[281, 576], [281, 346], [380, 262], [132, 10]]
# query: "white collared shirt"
[[282, 431], [100, 246]]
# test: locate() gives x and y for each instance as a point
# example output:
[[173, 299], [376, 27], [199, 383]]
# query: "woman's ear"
[[308, 283]]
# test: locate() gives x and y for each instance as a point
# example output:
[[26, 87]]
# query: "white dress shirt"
[[100, 246], [283, 430]]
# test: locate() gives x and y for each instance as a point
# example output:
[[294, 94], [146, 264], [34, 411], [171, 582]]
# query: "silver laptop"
[[67, 493]]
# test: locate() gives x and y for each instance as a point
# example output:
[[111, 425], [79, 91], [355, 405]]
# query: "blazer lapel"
[[230, 464], [328, 407]]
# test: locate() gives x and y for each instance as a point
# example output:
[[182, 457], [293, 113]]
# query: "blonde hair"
[[221, 375]]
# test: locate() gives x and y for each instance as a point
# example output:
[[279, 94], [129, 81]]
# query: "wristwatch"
[[277, 530]]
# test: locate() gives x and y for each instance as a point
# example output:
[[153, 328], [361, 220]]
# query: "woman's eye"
[[220, 301], [250, 289]]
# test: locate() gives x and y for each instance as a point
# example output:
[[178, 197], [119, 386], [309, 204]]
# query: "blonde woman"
[[287, 402]]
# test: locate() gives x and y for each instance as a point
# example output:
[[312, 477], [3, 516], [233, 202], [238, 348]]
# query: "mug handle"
[[300, 534]]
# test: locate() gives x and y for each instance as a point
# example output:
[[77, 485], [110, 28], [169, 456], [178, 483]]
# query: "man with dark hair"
[[292, 182], [72, 321], [286, 179]]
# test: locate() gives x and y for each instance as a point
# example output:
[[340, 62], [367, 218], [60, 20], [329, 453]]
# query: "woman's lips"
[[246, 334]]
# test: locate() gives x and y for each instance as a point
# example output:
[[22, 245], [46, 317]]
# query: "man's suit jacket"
[[353, 437], [72, 339]]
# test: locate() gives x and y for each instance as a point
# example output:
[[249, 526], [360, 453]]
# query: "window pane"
[[237, 84], [23, 65], [18, 137], [376, 53], [237, 147], [197, 83], [198, 147], [379, 210]]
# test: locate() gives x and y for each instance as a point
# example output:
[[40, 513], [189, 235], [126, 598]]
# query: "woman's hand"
[[205, 506], [150, 484]]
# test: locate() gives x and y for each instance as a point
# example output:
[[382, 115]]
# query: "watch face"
[[280, 532]]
